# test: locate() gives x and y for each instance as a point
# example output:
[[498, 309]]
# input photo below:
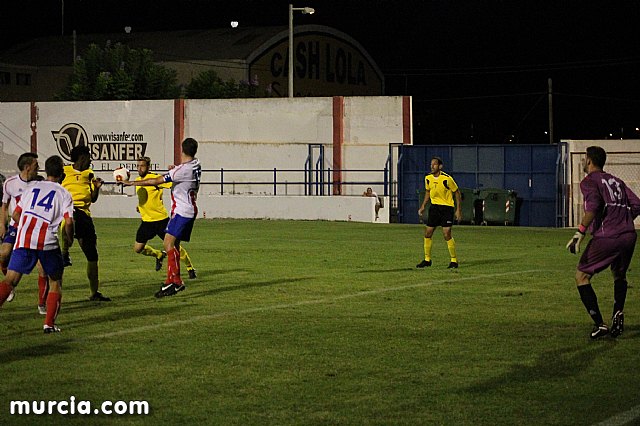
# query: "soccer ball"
[[121, 174]]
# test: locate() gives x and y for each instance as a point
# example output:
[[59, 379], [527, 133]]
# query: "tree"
[[119, 73], [208, 85]]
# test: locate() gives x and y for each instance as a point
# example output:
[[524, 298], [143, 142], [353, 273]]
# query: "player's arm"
[[68, 231], [458, 205], [593, 202], [95, 189], [4, 213], [16, 214], [157, 181], [634, 202], [424, 202]]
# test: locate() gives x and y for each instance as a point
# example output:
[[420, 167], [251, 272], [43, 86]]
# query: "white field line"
[[623, 418], [198, 318]]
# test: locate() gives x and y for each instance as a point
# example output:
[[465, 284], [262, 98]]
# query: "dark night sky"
[[477, 69]]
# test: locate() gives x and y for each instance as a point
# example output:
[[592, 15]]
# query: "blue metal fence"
[[530, 170]]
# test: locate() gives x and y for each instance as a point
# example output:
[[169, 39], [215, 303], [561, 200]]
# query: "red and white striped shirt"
[[44, 205], [184, 191], [12, 191]]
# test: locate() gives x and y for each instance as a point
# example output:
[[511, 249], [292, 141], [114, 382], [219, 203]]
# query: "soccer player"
[[184, 192], [43, 206], [154, 218], [84, 188], [440, 189], [12, 191], [609, 210]]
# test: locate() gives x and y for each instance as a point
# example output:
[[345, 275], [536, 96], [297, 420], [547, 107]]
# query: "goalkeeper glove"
[[574, 243]]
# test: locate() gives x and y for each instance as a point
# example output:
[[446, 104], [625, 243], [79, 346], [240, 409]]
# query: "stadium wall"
[[356, 209], [623, 160], [236, 135]]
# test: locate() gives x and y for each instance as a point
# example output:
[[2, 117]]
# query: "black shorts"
[[84, 229], [440, 215], [148, 230]]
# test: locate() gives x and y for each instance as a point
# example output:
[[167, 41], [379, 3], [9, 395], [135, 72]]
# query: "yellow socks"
[[427, 249], [184, 257], [150, 251], [451, 245]]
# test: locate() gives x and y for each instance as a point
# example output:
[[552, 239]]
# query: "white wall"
[[15, 134], [152, 120], [234, 134], [246, 134], [357, 209], [623, 160]]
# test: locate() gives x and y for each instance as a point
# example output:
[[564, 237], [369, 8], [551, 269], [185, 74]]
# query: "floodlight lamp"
[[308, 10]]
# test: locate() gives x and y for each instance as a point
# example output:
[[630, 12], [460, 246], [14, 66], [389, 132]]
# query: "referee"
[[440, 188]]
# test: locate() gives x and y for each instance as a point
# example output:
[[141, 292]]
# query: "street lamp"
[[305, 11]]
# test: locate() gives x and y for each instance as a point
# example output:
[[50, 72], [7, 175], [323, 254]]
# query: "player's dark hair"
[[146, 160], [25, 159], [597, 155], [54, 166], [438, 159], [190, 147], [79, 151]]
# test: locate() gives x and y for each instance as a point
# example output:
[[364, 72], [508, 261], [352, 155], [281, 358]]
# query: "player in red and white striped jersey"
[[44, 205], [13, 189]]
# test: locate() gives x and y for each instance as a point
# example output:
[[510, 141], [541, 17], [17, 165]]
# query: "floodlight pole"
[[306, 11], [550, 108]]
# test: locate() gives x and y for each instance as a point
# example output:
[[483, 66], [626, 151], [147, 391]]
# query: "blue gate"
[[530, 170]]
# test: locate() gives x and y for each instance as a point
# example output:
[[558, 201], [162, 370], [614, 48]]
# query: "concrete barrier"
[[341, 208]]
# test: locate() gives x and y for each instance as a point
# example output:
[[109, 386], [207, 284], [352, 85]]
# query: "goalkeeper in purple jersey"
[[609, 210]]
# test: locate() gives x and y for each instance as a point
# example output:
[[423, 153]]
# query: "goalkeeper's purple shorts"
[[601, 253]]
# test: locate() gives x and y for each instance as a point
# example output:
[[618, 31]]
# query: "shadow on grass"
[[379, 271], [485, 262], [202, 292], [51, 347], [112, 318], [631, 332], [550, 365], [119, 315]]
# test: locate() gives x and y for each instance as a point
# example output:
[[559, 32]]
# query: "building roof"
[[236, 43], [241, 43]]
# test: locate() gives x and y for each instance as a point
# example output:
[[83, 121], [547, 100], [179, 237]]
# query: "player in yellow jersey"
[[441, 189], [84, 187], [154, 218]]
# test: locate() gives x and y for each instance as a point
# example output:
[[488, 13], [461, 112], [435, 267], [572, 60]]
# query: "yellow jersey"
[[440, 188], [150, 203], [80, 185]]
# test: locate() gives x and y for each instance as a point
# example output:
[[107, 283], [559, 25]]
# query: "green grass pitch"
[[324, 323]]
